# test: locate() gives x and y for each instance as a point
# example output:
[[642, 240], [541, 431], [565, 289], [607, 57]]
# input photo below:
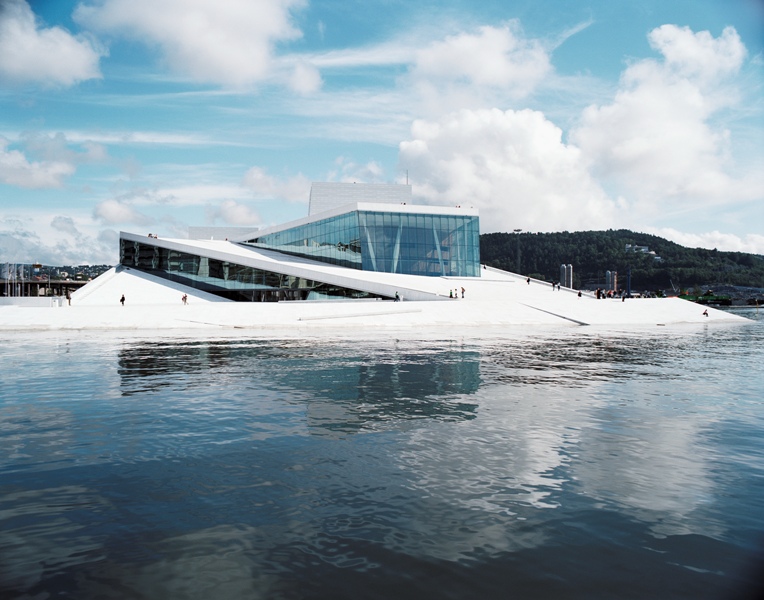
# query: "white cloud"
[[233, 213], [698, 55], [180, 196], [140, 138], [492, 56], [139, 206], [752, 242], [197, 194], [58, 160], [90, 139], [227, 42], [657, 142], [57, 148], [348, 171], [396, 52], [477, 68], [16, 169], [487, 67], [266, 187], [52, 56], [65, 225], [113, 212], [497, 56], [305, 79], [56, 240], [512, 165]]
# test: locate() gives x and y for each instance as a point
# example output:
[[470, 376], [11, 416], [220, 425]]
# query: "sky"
[[150, 116]]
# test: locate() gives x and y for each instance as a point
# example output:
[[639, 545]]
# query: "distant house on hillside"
[[643, 250]]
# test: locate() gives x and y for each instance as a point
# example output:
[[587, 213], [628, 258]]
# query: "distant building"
[[566, 275], [611, 280], [643, 250]]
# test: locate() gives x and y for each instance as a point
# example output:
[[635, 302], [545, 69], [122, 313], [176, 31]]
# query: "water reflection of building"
[[150, 366], [344, 388], [354, 396]]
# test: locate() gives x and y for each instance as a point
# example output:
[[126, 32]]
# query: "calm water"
[[572, 463]]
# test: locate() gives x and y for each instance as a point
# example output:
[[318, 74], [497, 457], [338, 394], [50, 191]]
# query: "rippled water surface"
[[570, 463]]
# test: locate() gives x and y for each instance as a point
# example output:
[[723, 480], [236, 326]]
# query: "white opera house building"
[[341, 269], [359, 229]]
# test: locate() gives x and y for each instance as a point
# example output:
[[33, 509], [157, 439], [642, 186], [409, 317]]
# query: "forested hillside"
[[592, 253]]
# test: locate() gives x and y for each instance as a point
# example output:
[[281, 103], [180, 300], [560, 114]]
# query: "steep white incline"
[[139, 289]]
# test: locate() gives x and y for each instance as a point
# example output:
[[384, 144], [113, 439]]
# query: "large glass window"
[[333, 241], [413, 244], [226, 279]]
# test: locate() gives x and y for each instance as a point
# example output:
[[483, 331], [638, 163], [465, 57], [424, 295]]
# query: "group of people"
[[608, 293], [455, 293], [153, 235]]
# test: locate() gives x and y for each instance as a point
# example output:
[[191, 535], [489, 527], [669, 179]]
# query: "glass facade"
[[390, 242], [227, 279]]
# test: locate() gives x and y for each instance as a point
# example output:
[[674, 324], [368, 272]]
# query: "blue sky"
[[547, 115]]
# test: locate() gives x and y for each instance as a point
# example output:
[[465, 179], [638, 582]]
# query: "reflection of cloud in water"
[[209, 563], [43, 534], [498, 470], [246, 467], [658, 469], [37, 434], [540, 433], [562, 433]]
